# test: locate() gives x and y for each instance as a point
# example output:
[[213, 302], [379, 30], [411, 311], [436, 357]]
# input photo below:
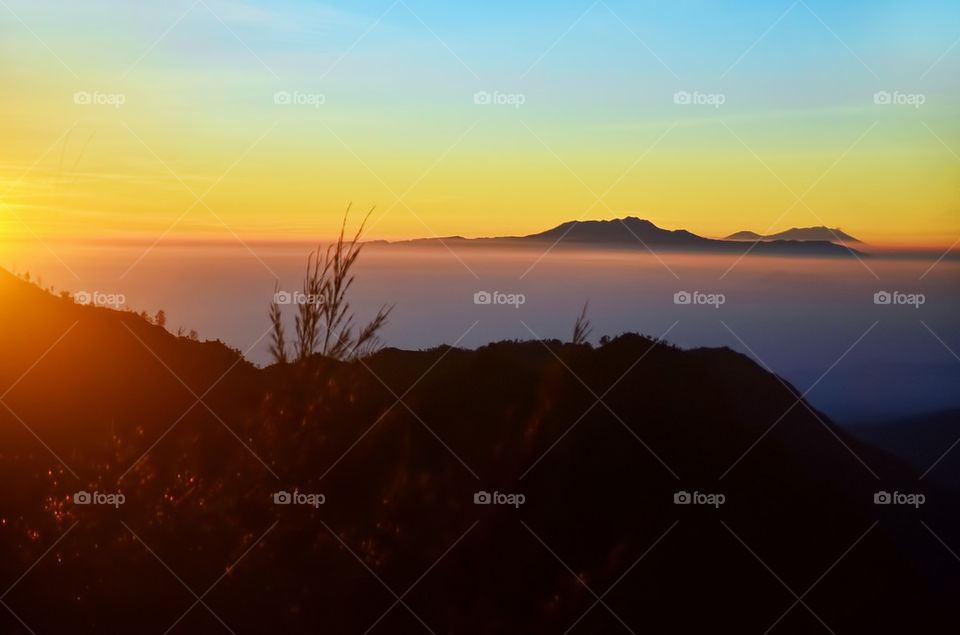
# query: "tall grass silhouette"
[[325, 322]]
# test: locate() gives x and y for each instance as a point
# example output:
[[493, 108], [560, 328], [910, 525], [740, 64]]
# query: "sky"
[[264, 120]]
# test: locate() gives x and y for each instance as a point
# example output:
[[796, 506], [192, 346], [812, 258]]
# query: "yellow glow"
[[137, 170], [116, 177]]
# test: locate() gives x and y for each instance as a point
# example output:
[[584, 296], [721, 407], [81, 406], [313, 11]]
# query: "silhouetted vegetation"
[[582, 328], [278, 341], [324, 319]]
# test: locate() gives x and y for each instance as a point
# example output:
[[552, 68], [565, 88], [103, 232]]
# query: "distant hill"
[[922, 440], [744, 235], [639, 234], [801, 234], [115, 397]]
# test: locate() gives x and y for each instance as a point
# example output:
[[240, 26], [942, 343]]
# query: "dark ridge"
[[512, 417]]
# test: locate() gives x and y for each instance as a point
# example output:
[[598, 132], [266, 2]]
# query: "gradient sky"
[[399, 119]]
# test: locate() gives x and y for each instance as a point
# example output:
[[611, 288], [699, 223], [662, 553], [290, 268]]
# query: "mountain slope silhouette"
[[115, 399]]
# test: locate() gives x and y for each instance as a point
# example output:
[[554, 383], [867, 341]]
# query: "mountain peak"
[[803, 234], [629, 230]]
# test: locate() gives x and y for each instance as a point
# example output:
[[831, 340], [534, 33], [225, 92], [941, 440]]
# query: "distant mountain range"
[[636, 233], [799, 233]]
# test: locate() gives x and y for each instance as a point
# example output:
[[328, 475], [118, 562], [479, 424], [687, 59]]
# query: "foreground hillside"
[[399, 444]]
